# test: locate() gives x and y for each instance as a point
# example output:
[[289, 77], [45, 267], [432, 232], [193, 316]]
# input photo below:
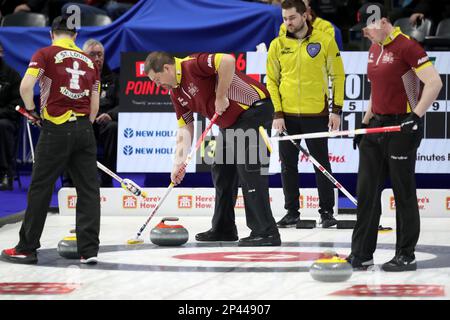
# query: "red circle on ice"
[[253, 256]]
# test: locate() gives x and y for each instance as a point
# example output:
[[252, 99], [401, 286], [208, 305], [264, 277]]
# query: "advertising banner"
[[431, 202], [182, 202], [139, 94]]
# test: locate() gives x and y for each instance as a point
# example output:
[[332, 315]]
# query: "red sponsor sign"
[[308, 202], [393, 290], [129, 202], [37, 288], [144, 88], [256, 77], [392, 203], [448, 203], [140, 69], [334, 158], [421, 202], [240, 203], [71, 202], [184, 202]]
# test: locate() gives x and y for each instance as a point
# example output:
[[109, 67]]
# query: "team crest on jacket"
[[313, 49], [193, 89]]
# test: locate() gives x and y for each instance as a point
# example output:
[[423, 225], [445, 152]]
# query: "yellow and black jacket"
[[318, 24], [298, 71]]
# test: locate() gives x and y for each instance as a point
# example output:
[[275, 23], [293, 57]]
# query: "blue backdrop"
[[171, 25]]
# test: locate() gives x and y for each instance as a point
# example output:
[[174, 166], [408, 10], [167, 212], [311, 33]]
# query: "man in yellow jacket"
[[299, 66], [318, 24]]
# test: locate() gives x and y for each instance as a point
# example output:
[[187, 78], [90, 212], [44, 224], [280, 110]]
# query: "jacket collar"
[[178, 69], [66, 43], [391, 37]]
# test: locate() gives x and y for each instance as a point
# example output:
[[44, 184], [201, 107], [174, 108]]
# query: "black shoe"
[[90, 261], [400, 263], [6, 183], [12, 255], [260, 241], [359, 264], [290, 220], [211, 235], [327, 220]]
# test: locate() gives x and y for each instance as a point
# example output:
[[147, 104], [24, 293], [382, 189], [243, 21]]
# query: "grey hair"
[[92, 42]]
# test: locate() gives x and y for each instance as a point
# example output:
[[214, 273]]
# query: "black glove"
[[410, 124], [357, 138], [38, 120]]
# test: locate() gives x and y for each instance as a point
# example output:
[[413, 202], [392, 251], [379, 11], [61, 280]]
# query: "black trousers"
[[251, 174], [68, 146], [106, 135], [381, 156], [8, 146], [289, 157]]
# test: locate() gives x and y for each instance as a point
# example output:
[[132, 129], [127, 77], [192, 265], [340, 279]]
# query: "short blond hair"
[[156, 60]]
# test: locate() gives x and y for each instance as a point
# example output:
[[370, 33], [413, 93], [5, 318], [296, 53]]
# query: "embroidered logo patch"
[[313, 49], [286, 51]]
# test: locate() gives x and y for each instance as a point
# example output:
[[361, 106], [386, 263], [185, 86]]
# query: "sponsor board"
[[146, 142], [139, 94], [182, 202], [431, 202]]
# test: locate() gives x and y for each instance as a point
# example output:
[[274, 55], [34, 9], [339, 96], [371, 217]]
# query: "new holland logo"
[[128, 150], [128, 133]]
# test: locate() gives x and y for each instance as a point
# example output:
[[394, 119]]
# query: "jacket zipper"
[[381, 53]]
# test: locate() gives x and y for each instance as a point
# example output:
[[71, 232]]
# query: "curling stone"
[[67, 248], [328, 254], [169, 235], [332, 269]]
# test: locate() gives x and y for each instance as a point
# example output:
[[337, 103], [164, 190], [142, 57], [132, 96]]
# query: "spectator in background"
[[31, 6], [113, 9], [9, 121], [105, 125], [417, 10], [51, 8], [8, 6]]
